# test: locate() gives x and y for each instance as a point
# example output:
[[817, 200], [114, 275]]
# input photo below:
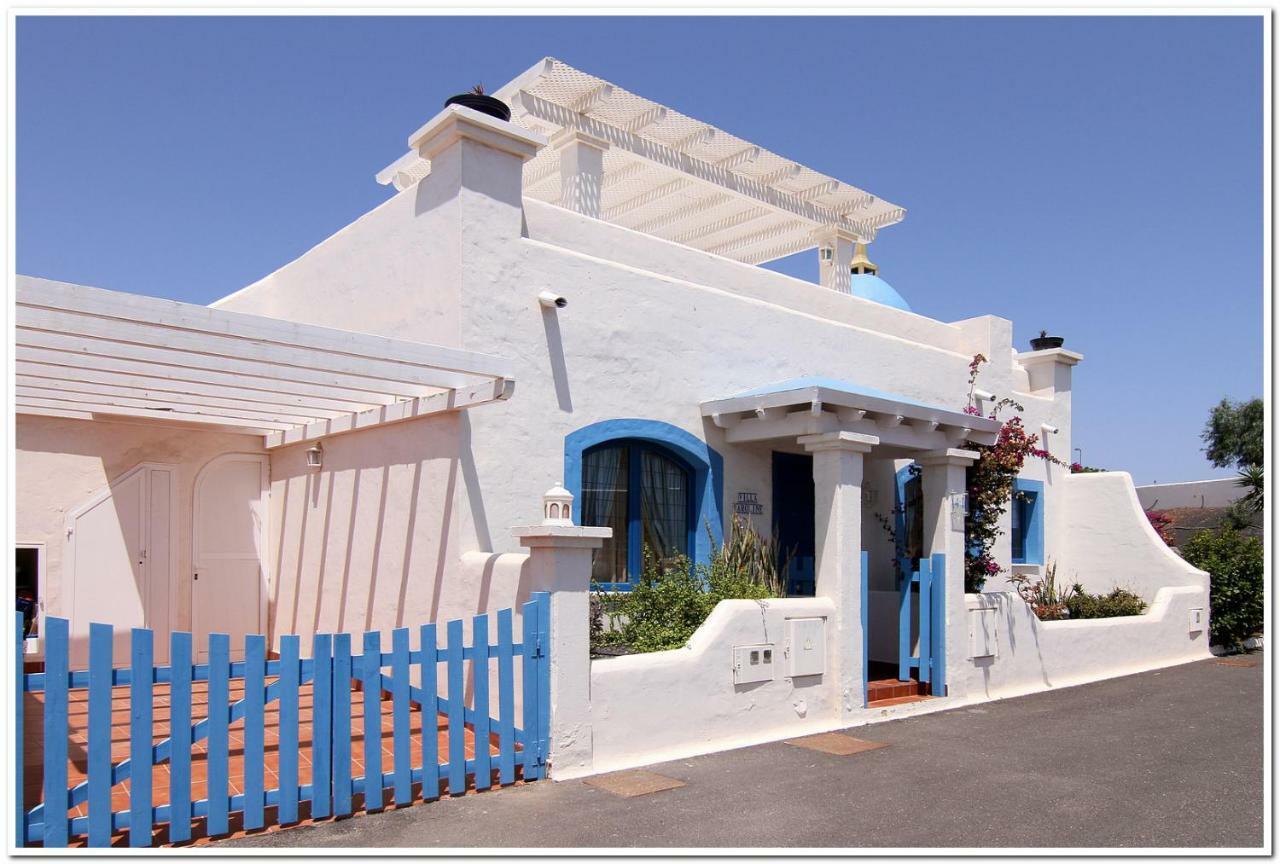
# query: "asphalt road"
[[1169, 759]]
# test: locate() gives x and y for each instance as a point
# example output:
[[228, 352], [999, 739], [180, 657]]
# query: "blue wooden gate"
[[928, 579], [332, 670]]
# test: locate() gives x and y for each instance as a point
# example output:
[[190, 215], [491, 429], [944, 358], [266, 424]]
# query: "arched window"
[[644, 492]]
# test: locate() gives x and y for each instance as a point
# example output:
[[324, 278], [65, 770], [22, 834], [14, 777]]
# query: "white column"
[[833, 271], [581, 171], [943, 486], [837, 501], [560, 562]]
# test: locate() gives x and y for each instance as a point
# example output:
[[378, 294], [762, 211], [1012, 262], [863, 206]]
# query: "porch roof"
[[673, 176], [90, 353], [802, 406]]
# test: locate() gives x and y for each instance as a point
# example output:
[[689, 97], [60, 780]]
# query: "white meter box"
[[806, 646], [752, 663]]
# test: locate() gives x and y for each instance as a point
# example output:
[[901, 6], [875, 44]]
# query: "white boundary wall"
[[1222, 492]]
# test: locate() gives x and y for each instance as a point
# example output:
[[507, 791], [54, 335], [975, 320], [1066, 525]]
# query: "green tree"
[[1235, 567], [1233, 434]]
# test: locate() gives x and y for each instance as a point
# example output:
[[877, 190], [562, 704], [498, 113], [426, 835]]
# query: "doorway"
[[229, 549], [793, 521], [120, 560]]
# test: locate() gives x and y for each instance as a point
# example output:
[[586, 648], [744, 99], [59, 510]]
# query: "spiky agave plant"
[[751, 556]]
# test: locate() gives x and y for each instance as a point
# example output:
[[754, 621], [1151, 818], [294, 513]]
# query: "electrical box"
[[982, 633], [752, 663], [1195, 621], [805, 646]]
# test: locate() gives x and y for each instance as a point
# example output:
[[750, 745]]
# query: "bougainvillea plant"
[[990, 483], [1160, 521]]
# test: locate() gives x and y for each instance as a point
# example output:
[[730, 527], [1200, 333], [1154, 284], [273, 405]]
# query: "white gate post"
[[837, 483], [942, 484], [560, 562]]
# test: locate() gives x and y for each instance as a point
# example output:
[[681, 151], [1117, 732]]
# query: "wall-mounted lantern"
[[315, 456]]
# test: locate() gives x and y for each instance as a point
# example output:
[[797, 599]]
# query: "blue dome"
[[871, 287]]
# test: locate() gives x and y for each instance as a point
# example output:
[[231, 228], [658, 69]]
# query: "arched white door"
[[120, 560], [229, 546]]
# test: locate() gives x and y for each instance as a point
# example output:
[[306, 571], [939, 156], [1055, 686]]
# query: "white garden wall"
[[1108, 542], [1033, 655], [649, 708]]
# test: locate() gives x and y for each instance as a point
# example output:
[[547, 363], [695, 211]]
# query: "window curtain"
[[604, 505], [664, 505]]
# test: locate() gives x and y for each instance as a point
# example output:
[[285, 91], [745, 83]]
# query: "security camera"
[[983, 394], [552, 300], [1049, 429]]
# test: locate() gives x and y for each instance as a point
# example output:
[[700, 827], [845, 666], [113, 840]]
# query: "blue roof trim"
[[871, 287], [834, 384]]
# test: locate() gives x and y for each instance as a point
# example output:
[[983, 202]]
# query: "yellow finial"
[[860, 263]]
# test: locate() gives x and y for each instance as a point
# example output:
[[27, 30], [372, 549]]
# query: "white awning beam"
[[88, 353]]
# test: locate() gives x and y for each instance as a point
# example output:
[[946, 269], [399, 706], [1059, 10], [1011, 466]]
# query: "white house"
[[575, 296]]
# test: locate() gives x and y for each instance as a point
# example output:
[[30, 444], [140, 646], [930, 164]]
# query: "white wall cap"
[[1049, 355], [854, 442], [565, 137], [568, 536], [456, 122], [949, 456]]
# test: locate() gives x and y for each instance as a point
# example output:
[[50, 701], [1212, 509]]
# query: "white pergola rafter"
[[675, 168], [89, 353]]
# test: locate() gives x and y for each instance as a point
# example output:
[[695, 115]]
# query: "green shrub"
[[1235, 567], [671, 599], [1118, 603]]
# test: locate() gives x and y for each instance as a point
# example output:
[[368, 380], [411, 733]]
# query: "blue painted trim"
[[705, 463], [938, 687], [1032, 519], [866, 667]]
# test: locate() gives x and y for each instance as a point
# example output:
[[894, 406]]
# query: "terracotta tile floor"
[[884, 688], [77, 751]]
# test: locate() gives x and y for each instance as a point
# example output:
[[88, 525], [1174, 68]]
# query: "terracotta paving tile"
[[898, 700], [33, 755], [630, 784], [836, 744]]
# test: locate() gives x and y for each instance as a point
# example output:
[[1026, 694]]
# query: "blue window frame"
[[1026, 518], [623, 459]]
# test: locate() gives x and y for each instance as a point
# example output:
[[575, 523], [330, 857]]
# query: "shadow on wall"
[[372, 540]]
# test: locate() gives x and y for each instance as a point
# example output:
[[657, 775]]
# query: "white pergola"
[[90, 353], [630, 161]]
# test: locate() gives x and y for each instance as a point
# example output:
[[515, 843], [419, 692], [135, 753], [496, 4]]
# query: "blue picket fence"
[[333, 673], [929, 578]]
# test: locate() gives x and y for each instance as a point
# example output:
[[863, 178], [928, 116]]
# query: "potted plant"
[[1045, 341], [480, 101]]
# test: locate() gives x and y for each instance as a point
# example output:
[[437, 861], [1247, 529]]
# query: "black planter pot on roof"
[[1045, 341], [478, 100]]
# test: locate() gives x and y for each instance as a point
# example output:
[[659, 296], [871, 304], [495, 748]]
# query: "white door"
[[229, 545], [120, 563]]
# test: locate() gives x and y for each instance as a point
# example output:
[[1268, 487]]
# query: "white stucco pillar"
[[581, 171], [560, 562], [942, 485], [837, 488], [833, 266]]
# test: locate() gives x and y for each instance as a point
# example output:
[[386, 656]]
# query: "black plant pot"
[[483, 104], [1042, 343]]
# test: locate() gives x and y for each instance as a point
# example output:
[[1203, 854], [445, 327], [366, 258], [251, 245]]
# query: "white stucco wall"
[[1196, 493], [1108, 542], [700, 709], [1034, 655], [61, 463]]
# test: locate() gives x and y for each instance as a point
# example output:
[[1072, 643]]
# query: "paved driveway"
[[1168, 758]]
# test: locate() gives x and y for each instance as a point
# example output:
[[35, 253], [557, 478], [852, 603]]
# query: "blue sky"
[[1097, 177]]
